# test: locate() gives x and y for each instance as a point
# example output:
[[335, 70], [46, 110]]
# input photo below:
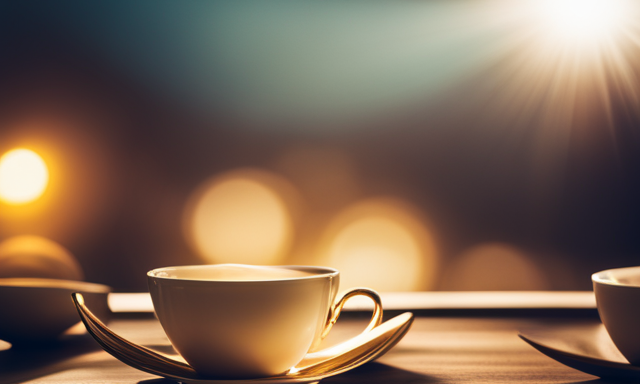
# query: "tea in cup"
[[618, 299], [241, 321]]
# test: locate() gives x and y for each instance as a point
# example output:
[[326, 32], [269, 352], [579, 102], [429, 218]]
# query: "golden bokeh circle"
[[494, 266], [241, 216], [37, 257], [23, 176], [382, 244]]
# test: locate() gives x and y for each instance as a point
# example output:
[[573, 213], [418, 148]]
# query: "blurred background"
[[433, 145]]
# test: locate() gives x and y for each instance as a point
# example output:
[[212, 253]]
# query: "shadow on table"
[[27, 362], [604, 381], [371, 373]]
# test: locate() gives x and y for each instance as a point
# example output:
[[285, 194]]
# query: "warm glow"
[[493, 267], [23, 176], [383, 245], [240, 217], [34, 256], [583, 21]]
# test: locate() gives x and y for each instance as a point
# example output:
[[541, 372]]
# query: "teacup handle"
[[334, 313]]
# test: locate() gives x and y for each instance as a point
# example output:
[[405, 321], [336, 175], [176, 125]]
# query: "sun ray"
[[563, 66]]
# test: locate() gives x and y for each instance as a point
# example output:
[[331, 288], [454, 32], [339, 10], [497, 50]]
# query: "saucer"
[[314, 367], [587, 348]]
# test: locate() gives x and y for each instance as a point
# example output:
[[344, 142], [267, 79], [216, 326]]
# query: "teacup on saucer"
[[314, 367], [240, 321]]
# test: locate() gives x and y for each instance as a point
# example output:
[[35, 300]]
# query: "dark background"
[[140, 102]]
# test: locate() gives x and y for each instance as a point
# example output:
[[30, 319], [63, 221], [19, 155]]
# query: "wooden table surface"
[[461, 349]]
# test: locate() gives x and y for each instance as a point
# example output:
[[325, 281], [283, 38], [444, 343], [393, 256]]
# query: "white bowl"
[[34, 309]]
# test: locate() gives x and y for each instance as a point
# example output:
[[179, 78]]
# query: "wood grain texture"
[[436, 350]]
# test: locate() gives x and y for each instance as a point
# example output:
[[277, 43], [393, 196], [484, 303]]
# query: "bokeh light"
[[23, 176], [493, 267], [382, 244], [242, 216], [38, 257]]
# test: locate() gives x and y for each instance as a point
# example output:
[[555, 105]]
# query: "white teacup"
[[241, 321], [618, 298]]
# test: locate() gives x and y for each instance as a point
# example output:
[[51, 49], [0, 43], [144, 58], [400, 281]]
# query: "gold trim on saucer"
[[314, 367]]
